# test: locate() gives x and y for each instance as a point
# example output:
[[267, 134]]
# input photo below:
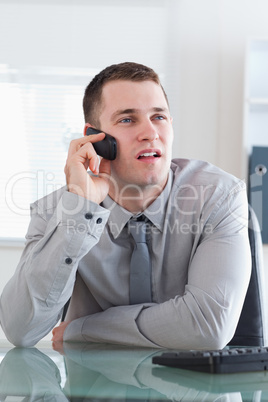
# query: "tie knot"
[[138, 228]]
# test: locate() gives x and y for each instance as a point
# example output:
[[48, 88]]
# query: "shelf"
[[256, 124], [258, 101]]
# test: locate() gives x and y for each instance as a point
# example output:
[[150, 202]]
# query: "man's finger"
[[78, 143]]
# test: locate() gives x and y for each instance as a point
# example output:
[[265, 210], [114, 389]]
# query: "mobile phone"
[[107, 147]]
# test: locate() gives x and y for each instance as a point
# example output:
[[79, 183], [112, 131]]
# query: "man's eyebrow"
[[124, 111], [134, 111], [160, 109]]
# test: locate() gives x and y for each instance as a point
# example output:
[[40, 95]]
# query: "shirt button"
[[99, 220], [88, 215], [68, 260]]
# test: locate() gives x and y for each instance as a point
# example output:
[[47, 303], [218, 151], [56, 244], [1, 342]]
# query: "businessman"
[[80, 245]]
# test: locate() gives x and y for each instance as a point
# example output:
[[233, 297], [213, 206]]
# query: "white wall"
[[212, 36], [198, 47]]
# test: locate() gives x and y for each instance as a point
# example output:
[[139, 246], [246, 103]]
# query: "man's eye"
[[160, 117], [126, 120]]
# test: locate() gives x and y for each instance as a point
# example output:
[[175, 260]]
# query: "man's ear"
[[86, 127]]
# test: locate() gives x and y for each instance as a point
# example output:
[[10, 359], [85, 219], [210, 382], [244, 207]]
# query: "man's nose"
[[148, 132]]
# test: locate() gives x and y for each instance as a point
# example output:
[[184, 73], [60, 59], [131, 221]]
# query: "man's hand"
[[82, 156], [57, 339], [58, 332]]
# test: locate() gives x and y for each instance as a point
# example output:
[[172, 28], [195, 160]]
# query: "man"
[[79, 244]]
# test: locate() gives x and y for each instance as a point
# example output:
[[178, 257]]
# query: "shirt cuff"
[[73, 331], [80, 215]]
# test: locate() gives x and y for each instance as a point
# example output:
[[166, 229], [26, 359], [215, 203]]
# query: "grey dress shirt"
[[201, 265]]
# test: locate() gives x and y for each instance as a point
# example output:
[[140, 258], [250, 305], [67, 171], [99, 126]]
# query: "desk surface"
[[93, 372]]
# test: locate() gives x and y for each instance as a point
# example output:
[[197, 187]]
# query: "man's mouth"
[[153, 154]]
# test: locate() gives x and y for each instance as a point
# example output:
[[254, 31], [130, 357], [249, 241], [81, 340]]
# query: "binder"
[[258, 187]]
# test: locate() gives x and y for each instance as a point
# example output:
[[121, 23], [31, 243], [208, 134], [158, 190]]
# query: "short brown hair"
[[123, 71]]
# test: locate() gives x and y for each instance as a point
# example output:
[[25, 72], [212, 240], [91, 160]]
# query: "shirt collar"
[[155, 212]]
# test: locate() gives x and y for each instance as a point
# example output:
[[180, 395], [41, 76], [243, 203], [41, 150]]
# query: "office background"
[[198, 47]]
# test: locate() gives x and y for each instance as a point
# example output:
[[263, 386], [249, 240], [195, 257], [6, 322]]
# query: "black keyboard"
[[232, 360]]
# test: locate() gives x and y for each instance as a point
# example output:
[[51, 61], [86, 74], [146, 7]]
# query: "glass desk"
[[93, 372]]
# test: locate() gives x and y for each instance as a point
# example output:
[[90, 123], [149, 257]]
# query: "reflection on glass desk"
[[93, 372]]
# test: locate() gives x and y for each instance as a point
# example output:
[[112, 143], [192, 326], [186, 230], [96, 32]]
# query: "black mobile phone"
[[105, 148]]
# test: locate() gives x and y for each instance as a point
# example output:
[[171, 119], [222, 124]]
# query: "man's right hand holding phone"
[[82, 156]]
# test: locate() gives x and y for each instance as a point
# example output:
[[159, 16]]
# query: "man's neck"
[[135, 198]]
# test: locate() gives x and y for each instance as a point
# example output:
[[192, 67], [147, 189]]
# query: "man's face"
[[137, 115]]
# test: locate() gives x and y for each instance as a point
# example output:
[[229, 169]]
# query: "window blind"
[[42, 112]]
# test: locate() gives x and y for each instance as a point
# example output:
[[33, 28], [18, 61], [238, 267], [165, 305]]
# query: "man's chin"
[[137, 181]]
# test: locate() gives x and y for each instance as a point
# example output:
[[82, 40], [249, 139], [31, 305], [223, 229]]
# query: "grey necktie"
[[140, 266]]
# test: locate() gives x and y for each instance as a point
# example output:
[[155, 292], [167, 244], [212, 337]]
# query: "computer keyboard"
[[231, 360]]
